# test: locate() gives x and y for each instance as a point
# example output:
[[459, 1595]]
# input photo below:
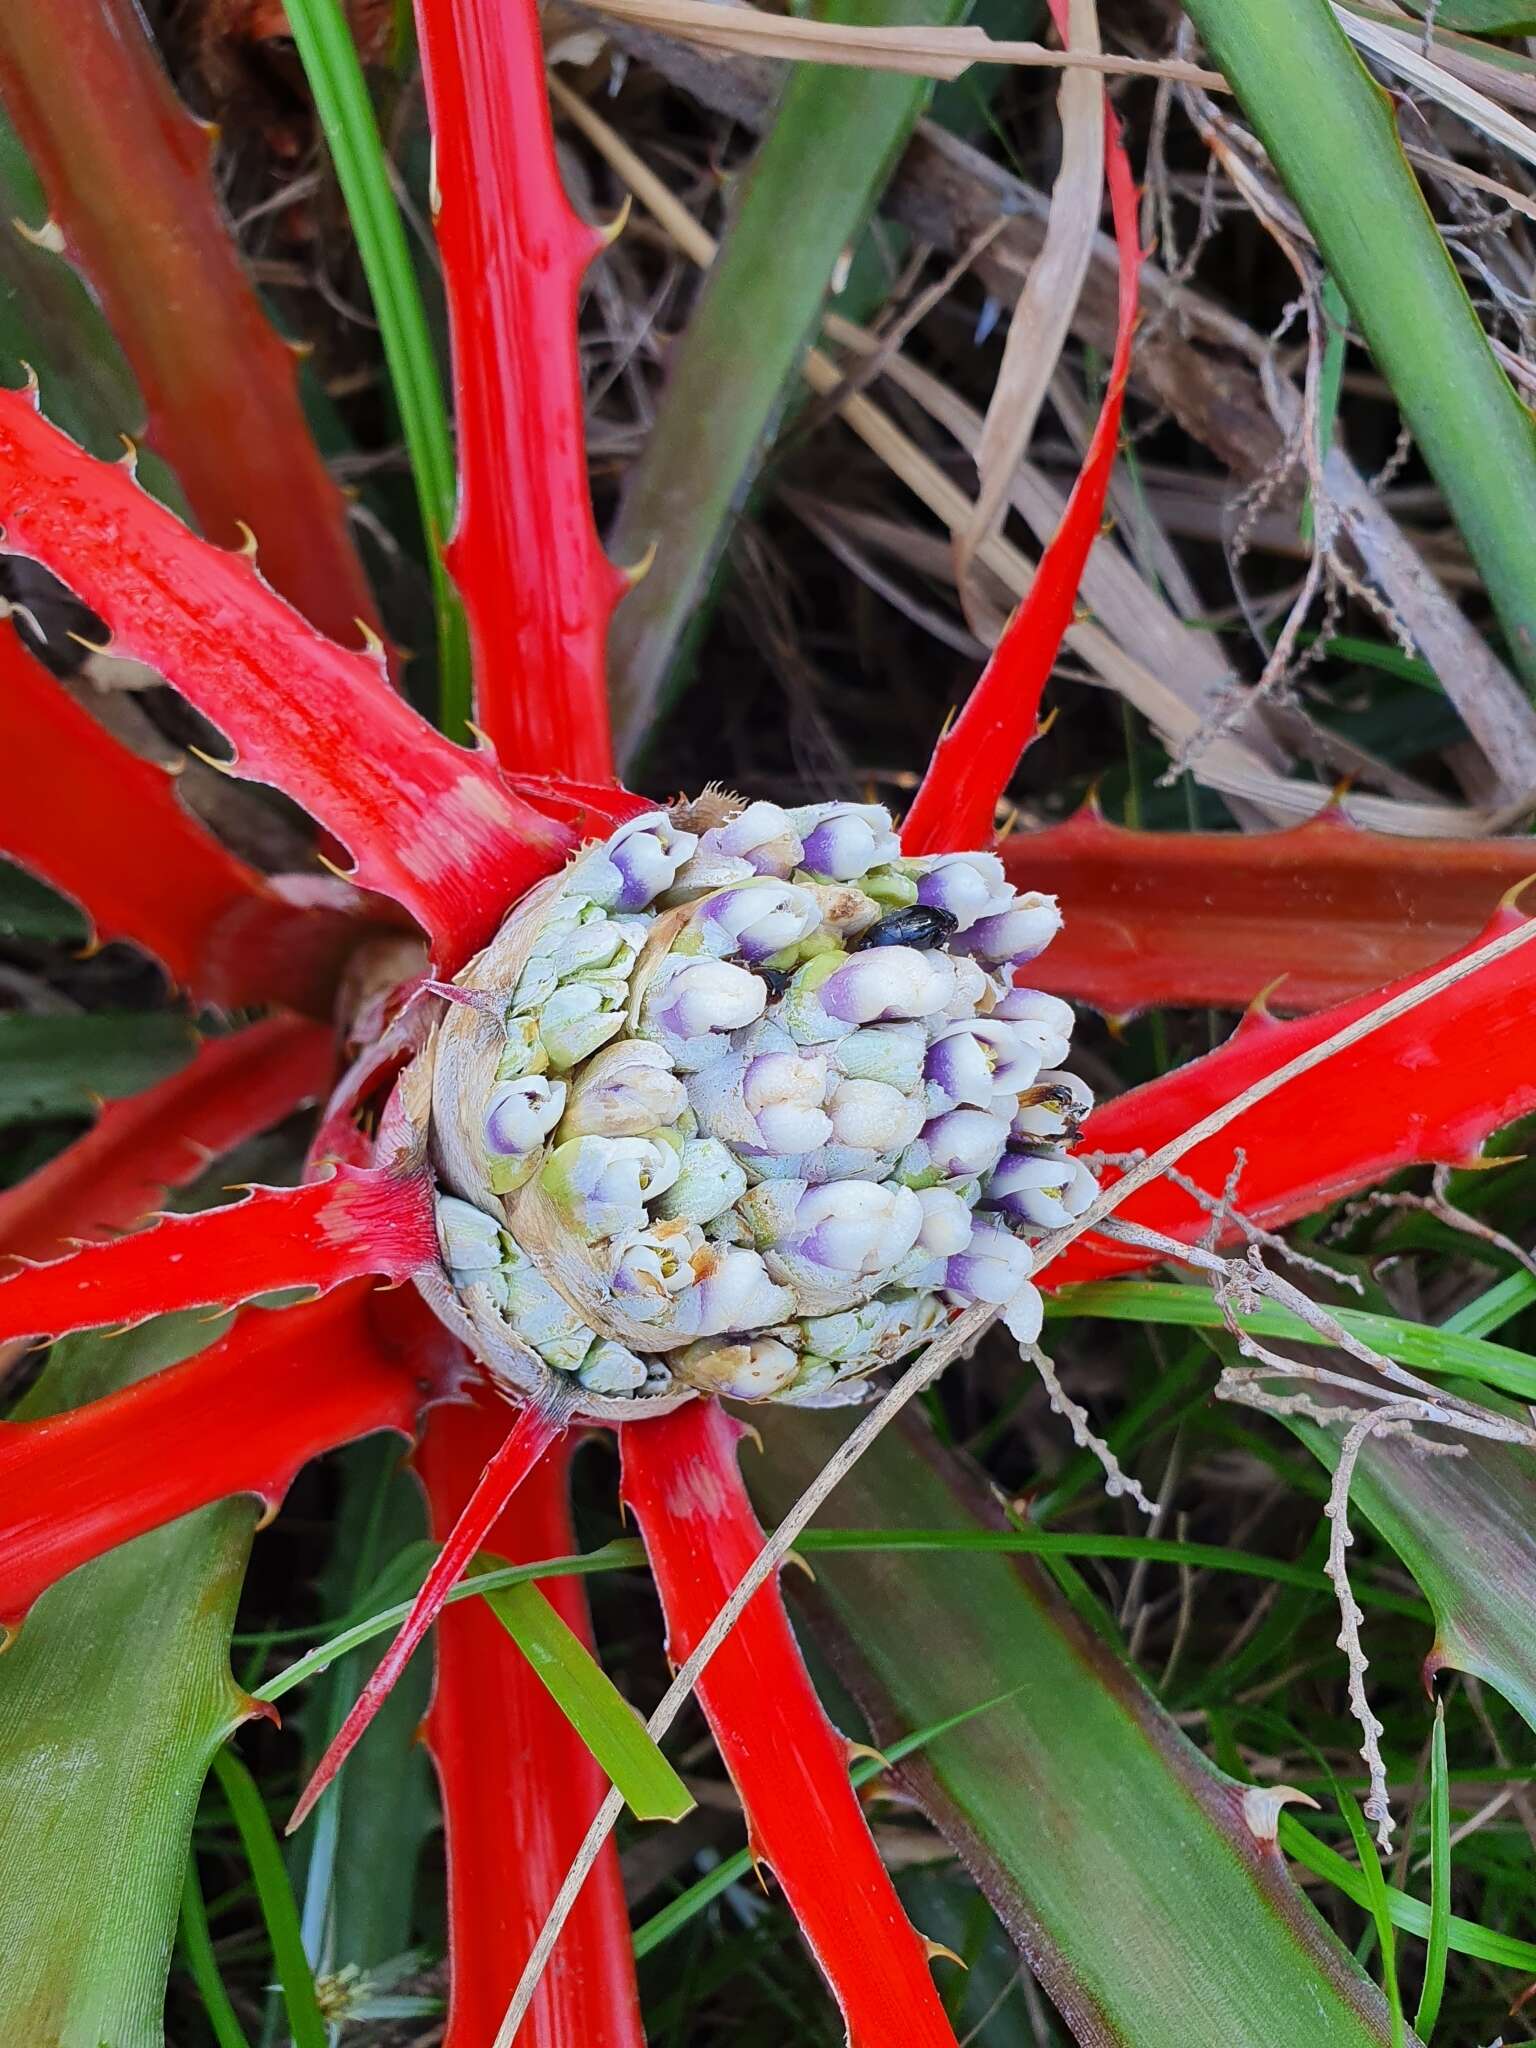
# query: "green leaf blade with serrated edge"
[[1118, 1857], [113, 1699], [58, 1066], [591, 1702]]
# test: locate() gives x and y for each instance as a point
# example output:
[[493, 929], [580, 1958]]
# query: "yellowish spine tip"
[[8, 1635], [1510, 900], [21, 611], [49, 236], [608, 235], [373, 646], [934, 1949], [638, 571], [434, 190], [212, 761], [248, 546], [129, 459], [854, 1750], [1258, 1011], [90, 646], [793, 1557], [341, 874], [750, 1430]]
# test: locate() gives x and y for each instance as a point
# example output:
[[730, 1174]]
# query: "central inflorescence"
[[746, 1102]]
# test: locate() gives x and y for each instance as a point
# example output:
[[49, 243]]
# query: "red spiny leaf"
[[361, 1221], [127, 176], [785, 1758], [975, 759], [593, 809], [426, 822], [520, 1448], [537, 587], [241, 1417], [519, 1785], [1216, 917], [1428, 1087], [108, 828], [165, 1136]]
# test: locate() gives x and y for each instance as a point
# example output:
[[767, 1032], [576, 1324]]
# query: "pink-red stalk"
[[537, 587], [361, 1222], [1429, 1087], [1307, 917], [427, 823], [495, 1733], [107, 828], [127, 174], [520, 1448], [788, 1763], [240, 1418]]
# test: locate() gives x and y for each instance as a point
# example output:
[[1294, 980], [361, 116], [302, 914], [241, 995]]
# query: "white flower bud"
[[844, 841], [521, 1114], [544, 1318], [856, 1226], [601, 1185], [946, 1222], [610, 1368], [1048, 1190], [578, 1018], [968, 885], [762, 835], [689, 997], [978, 1059], [635, 864], [1043, 1022], [734, 1292], [624, 1091], [752, 1369], [887, 982], [646, 1268], [871, 1115], [471, 1240], [755, 919], [962, 1142], [708, 1182], [1017, 934], [892, 1053], [993, 1266]]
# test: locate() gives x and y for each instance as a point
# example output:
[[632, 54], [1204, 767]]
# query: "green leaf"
[[1420, 1345], [57, 1066], [197, 1950], [1331, 133], [276, 1896], [591, 1702], [1043, 1795], [330, 61], [804, 201], [1373, 1877], [1433, 1987], [112, 1701], [1479, 17], [1466, 1529], [29, 909]]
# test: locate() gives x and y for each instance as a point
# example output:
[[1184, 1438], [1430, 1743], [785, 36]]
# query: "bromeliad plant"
[[628, 1108]]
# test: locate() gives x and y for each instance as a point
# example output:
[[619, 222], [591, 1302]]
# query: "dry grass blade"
[[1404, 54], [1042, 320], [921, 52]]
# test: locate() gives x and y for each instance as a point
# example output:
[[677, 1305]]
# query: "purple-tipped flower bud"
[[601, 1185], [761, 835], [754, 919], [946, 1223], [890, 982], [963, 1142], [1052, 1109], [993, 1267], [978, 1059], [1016, 934], [751, 1370], [1047, 1190], [1044, 1022], [690, 997], [844, 841], [856, 1226], [521, 1114], [968, 885], [871, 1115], [624, 1091], [634, 866]]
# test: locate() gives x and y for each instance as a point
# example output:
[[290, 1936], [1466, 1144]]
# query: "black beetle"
[[918, 925]]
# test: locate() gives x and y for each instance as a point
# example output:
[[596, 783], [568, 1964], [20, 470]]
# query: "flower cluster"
[[747, 1102]]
